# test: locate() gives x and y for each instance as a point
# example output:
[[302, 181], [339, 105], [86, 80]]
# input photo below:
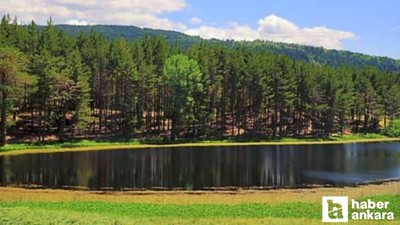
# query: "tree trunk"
[[3, 128], [175, 129], [62, 123], [366, 121], [384, 121]]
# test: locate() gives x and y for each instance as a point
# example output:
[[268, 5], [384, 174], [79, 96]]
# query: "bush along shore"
[[87, 145]]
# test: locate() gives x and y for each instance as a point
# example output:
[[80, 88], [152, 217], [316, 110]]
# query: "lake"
[[193, 168]]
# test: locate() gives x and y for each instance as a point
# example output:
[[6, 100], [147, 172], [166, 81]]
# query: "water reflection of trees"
[[196, 168]]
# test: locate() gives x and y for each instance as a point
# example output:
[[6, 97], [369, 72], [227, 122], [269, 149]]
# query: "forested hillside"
[[301, 52], [54, 84]]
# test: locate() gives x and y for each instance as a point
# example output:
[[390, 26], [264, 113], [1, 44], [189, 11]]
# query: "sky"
[[366, 26]]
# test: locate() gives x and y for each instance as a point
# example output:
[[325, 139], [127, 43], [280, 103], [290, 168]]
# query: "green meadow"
[[133, 213], [108, 212]]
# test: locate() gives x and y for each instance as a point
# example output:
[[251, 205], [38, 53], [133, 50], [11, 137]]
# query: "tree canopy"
[[85, 85], [182, 82]]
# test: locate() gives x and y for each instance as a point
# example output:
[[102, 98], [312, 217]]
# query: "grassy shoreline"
[[285, 207], [90, 145], [184, 197]]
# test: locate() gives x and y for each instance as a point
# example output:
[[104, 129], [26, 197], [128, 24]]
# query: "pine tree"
[[123, 75], [12, 64]]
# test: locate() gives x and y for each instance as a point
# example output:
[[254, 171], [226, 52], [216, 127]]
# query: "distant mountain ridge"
[[300, 52]]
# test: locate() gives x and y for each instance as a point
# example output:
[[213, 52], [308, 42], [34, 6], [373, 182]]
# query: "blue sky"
[[371, 27], [375, 24]]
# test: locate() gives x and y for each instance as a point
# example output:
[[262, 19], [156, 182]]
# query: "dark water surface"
[[206, 167]]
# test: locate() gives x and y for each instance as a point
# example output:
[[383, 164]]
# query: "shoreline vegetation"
[[48, 206], [186, 197], [93, 145]]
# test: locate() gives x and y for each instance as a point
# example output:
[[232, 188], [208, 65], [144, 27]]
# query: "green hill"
[[307, 53]]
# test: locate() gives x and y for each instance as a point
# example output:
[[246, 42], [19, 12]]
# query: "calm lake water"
[[206, 167]]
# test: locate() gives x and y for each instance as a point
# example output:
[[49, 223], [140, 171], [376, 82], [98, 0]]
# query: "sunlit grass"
[[23, 215], [286, 207], [245, 210], [87, 145], [56, 145], [358, 137], [282, 210], [198, 197], [43, 217], [22, 212]]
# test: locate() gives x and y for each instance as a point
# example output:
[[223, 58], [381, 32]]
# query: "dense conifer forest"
[[305, 53], [85, 85]]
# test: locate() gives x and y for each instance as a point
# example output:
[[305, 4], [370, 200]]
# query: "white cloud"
[[276, 29], [235, 31], [78, 22], [195, 20], [276, 25], [150, 13], [141, 13]]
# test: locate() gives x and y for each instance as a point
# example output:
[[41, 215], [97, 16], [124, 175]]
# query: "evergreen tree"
[[12, 64], [75, 85], [182, 80]]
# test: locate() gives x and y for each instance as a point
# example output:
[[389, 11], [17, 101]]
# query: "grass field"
[[303, 206], [88, 145]]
